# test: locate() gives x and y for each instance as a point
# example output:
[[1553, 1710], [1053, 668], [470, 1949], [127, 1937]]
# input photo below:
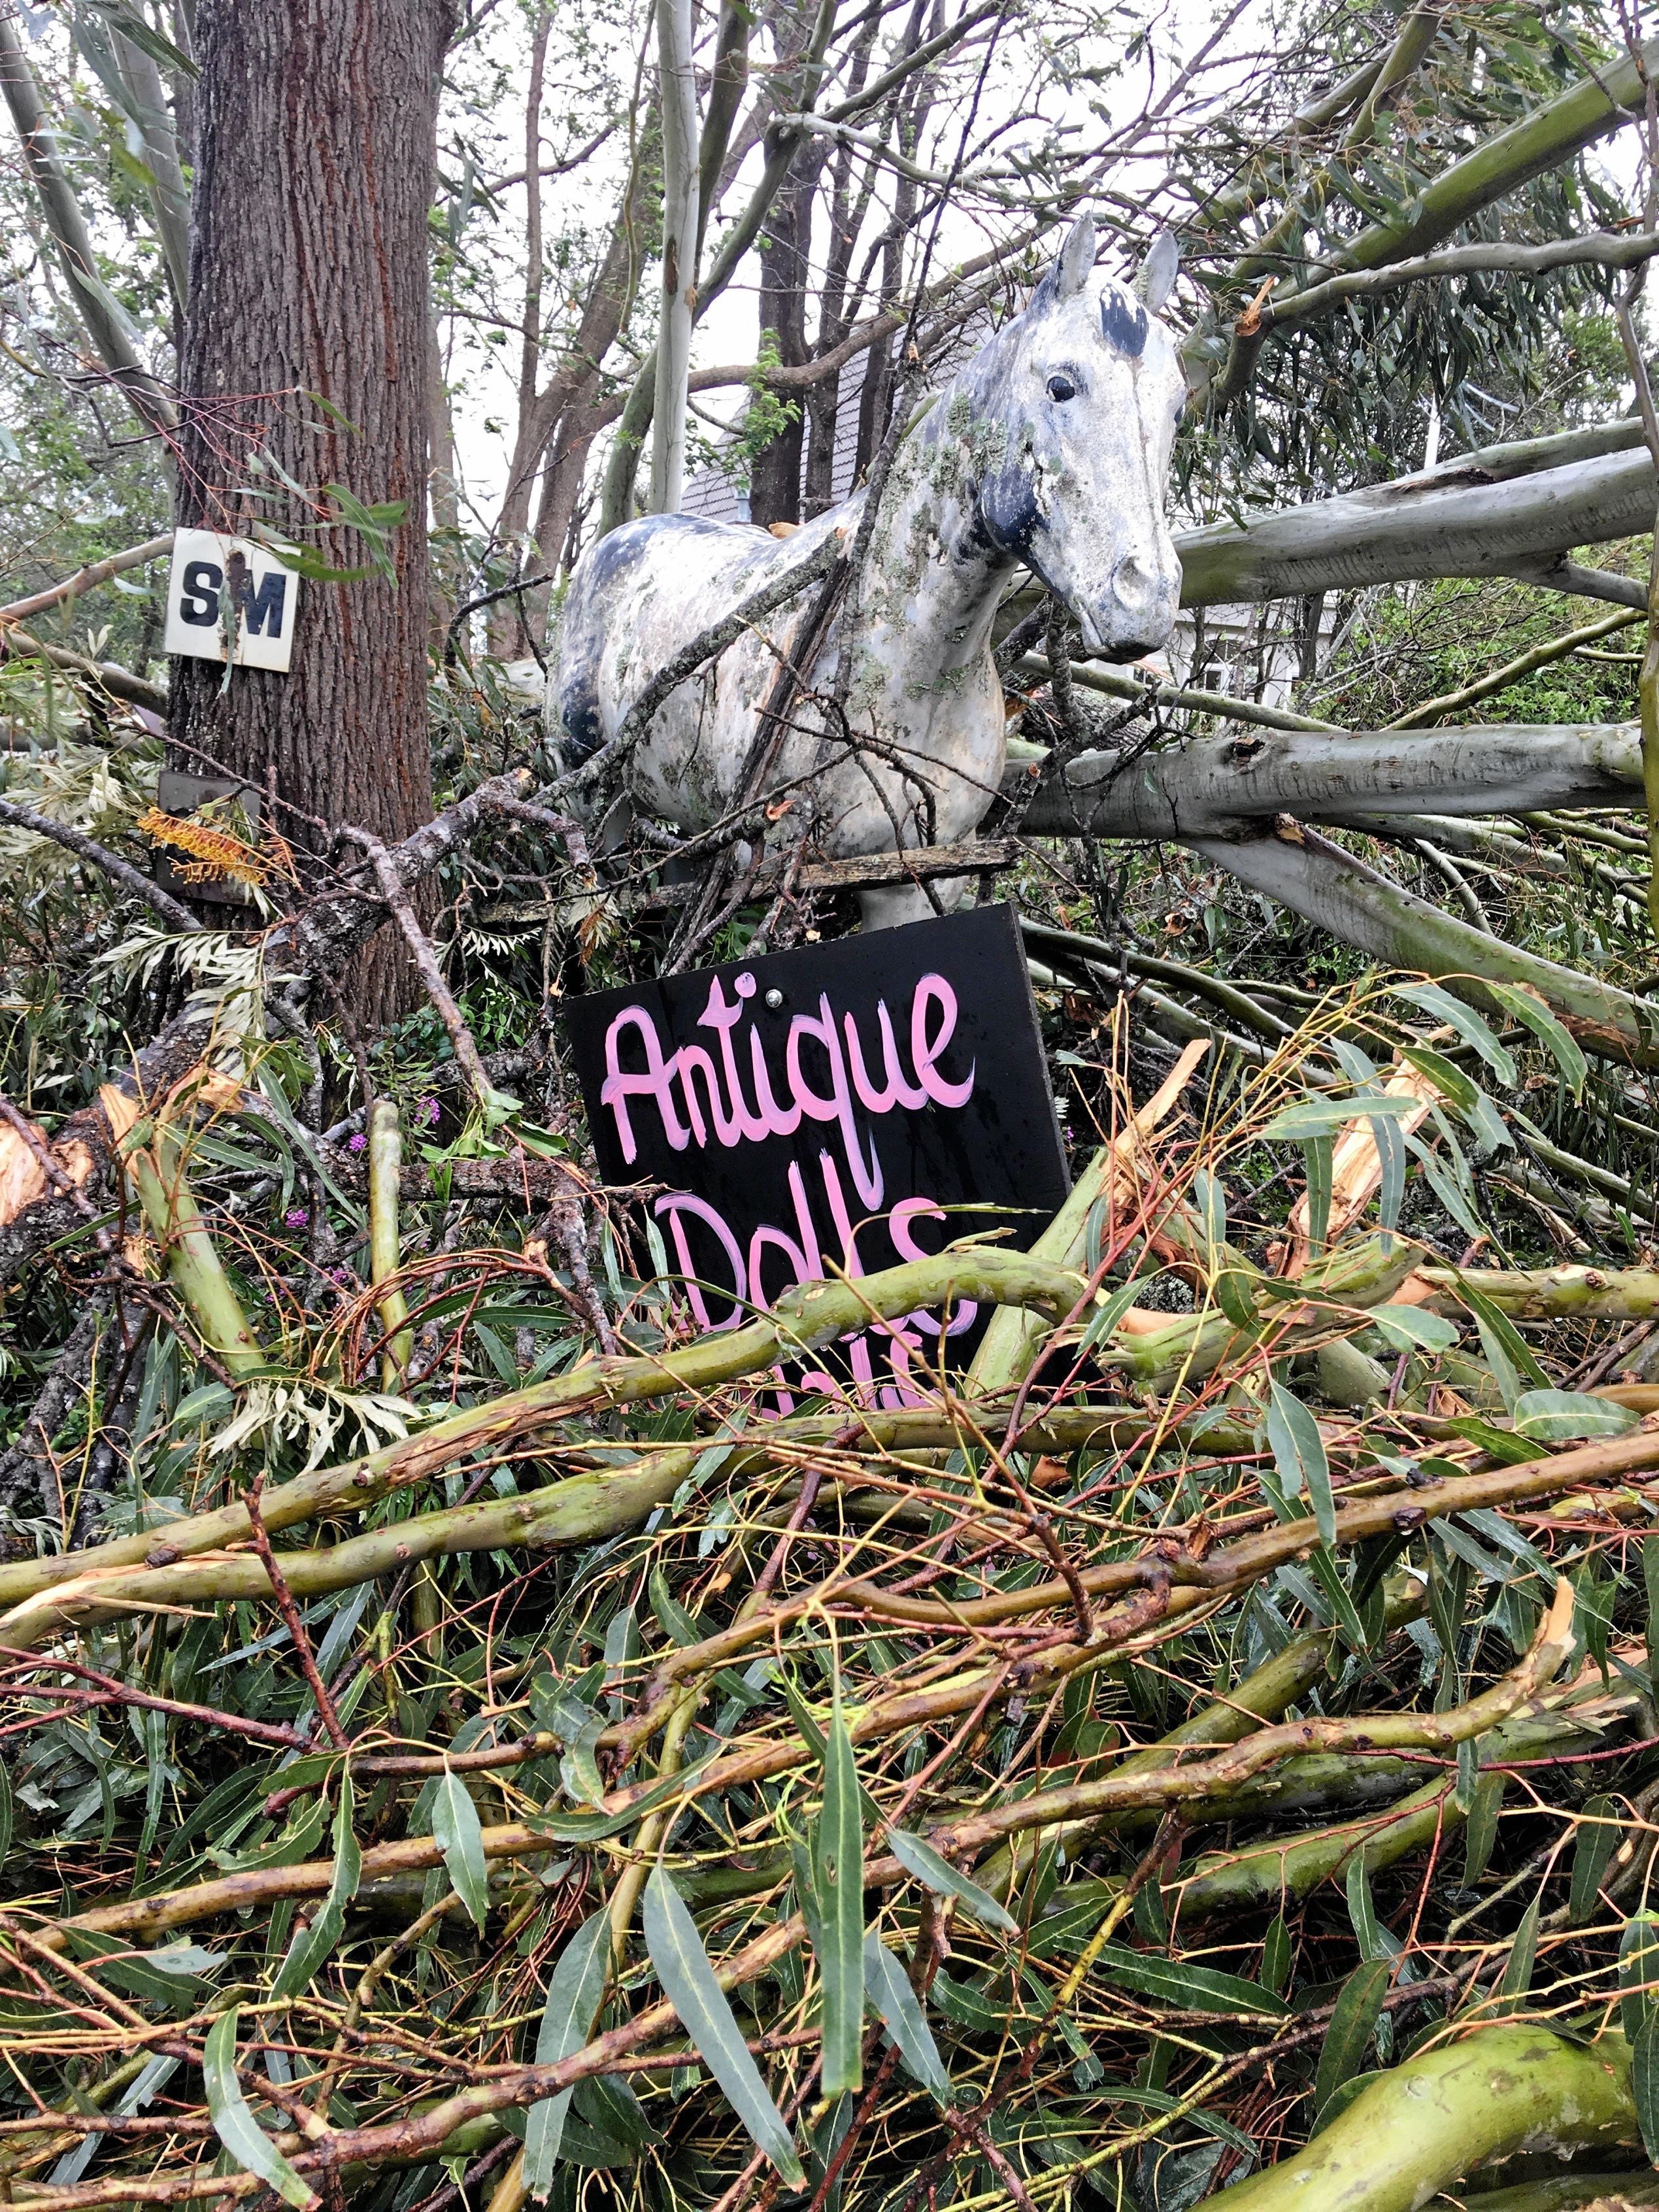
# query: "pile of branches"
[[1207, 1744]]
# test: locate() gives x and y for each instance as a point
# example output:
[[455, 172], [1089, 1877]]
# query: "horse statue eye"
[[1061, 387]]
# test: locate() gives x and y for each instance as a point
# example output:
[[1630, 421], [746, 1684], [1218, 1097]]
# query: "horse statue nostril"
[[1136, 584]]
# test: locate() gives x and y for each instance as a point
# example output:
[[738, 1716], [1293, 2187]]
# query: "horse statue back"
[[1051, 447]]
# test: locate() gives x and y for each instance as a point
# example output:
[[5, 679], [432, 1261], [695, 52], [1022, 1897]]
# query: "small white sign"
[[213, 577]]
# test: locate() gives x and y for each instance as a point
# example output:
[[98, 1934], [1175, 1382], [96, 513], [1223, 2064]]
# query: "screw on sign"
[[846, 1106]]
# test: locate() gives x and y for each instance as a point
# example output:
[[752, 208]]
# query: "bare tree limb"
[[119, 683], [676, 97], [1467, 518], [83, 580], [1604, 247], [1333, 890], [426, 962], [1148, 691], [1229, 787]]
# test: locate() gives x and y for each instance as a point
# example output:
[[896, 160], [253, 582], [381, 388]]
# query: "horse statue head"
[[1089, 384]]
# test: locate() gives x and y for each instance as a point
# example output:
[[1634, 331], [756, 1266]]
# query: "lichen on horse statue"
[[1050, 447]]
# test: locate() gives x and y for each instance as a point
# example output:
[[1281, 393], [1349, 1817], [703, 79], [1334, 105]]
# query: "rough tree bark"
[[316, 128], [785, 269]]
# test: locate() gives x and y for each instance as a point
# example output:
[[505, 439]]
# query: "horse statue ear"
[[1155, 279], [1077, 258]]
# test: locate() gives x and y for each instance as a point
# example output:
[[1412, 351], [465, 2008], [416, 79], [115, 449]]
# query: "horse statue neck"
[[933, 576]]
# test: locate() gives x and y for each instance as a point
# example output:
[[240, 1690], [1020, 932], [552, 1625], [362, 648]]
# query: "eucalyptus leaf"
[[457, 1832], [1299, 1451], [837, 1859], [308, 1952], [249, 2146], [1202, 1989], [921, 1860], [1555, 1416], [1276, 1956], [1353, 2020], [887, 1987], [1644, 2085], [1596, 1839], [1444, 1007], [1413, 1329], [1517, 1977], [1638, 1972], [574, 1989], [1480, 1831], [1535, 1015], [688, 1980]]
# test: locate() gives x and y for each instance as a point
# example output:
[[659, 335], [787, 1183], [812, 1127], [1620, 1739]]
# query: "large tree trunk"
[[316, 126]]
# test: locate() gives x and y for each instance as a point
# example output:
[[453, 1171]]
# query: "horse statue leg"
[[890, 906]]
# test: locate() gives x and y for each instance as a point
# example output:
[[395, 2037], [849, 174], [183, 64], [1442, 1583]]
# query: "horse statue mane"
[[877, 722]]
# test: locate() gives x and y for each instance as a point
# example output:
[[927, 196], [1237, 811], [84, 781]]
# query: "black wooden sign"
[[860, 1104]]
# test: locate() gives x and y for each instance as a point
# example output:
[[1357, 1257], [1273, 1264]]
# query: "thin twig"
[[291, 1611], [443, 998]]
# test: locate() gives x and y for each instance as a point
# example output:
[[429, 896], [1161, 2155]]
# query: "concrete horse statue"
[[1051, 447]]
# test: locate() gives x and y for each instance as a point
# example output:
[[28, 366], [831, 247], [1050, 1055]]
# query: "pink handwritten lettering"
[[680, 1202], [934, 990], [898, 1091], [655, 1081], [696, 1099], [829, 1076]]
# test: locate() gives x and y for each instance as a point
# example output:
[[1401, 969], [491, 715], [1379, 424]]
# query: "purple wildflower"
[[296, 1217], [342, 1276], [356, 1142], [430, 1110]]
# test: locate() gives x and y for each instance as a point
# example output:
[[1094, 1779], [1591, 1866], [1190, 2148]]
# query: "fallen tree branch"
[[1221, 786], [516, 2087], [106, 675], [1149, 691], [803, 1320], [130, 879], [1461, 519], [1498, 679], [1599, 103], [1330, 887], [425, 964], [84, 580], [1451, 2109], [1165, 1783]]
